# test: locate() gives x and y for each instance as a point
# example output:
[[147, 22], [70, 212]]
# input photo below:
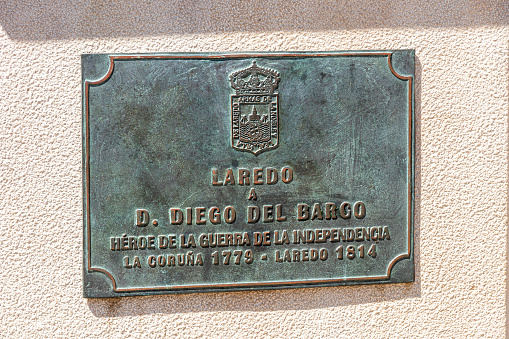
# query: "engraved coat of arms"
[[255, 109]]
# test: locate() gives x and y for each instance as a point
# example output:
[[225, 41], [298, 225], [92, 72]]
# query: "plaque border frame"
[[89, 268]]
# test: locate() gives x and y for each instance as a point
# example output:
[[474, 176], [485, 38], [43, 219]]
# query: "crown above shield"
[[255, 80]]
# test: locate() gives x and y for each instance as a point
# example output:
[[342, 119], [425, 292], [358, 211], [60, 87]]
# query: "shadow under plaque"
[[244, 171]]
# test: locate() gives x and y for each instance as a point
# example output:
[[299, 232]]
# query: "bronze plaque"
[[241, 171]]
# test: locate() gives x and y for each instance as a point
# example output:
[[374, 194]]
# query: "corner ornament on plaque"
[[255, 109]]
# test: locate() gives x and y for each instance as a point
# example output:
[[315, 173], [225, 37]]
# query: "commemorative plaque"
[[241, 171]]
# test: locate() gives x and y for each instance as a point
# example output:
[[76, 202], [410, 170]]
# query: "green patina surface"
[[155, 127]]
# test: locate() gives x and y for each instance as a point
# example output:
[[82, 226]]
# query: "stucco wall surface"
[[462, 82]]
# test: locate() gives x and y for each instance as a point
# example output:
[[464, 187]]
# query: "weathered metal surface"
[[215, 172]]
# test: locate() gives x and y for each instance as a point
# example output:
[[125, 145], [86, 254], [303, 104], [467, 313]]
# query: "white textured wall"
[[462, 50]]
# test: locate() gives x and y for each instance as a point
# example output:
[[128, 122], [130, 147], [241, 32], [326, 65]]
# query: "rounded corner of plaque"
[[98, 285], [401, 269], [100, 74], [397, 74]]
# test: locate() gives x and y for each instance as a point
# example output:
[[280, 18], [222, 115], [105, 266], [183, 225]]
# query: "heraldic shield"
[[255, 109]]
